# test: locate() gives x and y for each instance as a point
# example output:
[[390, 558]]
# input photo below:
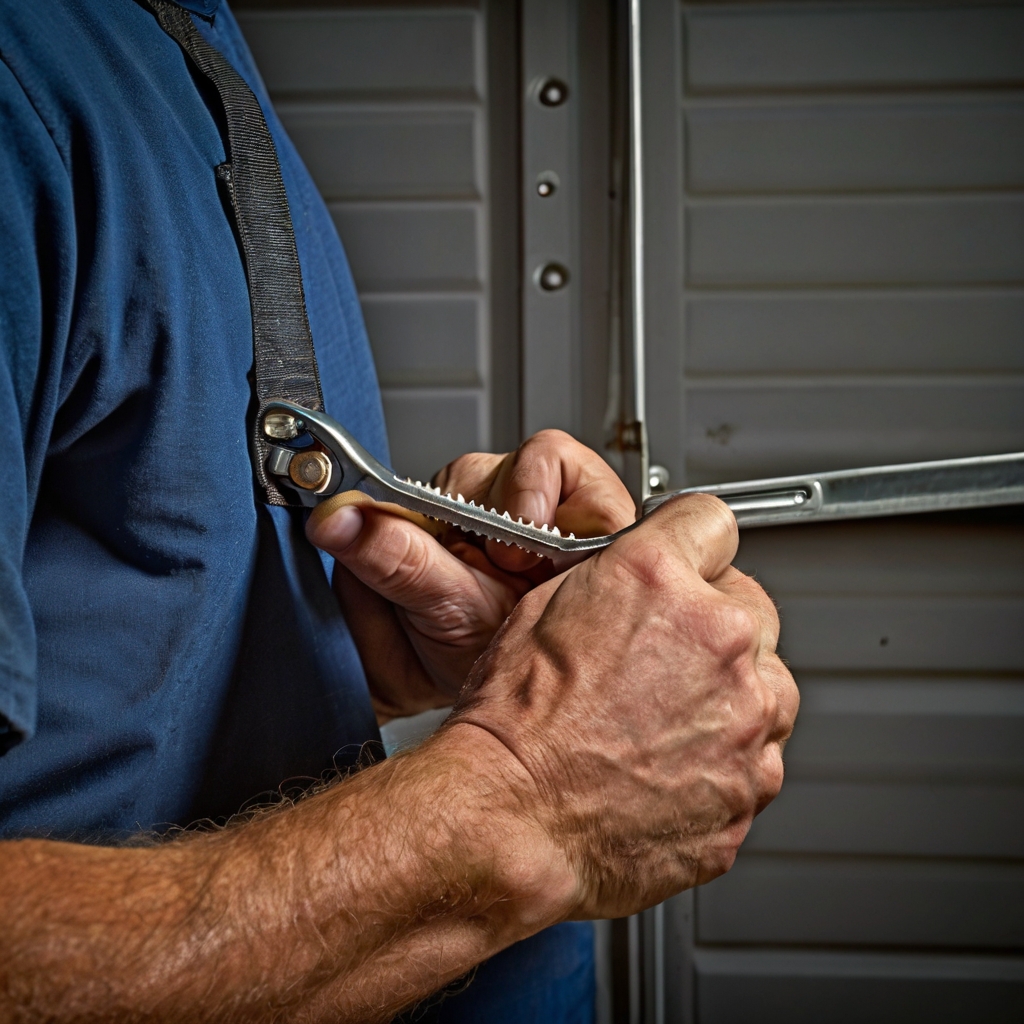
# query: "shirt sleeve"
[[30, 210]]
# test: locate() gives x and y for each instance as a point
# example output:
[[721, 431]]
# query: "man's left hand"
[[421, 612]]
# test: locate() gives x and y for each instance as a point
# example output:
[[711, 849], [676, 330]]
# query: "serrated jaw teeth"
[[556, 531], [459, 498]]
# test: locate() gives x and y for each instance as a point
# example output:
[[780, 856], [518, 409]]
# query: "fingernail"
[[340, 529]]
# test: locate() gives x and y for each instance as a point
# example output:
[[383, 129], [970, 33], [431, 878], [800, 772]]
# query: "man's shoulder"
[[89, 67]]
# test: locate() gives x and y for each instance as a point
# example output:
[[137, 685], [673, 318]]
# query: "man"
[[171, 648]]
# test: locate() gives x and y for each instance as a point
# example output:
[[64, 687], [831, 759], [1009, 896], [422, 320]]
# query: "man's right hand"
[[640, 699], [610, 749]]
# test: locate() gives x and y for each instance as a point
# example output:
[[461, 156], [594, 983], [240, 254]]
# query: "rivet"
[[552, 276], [552, 92], [547, 184]]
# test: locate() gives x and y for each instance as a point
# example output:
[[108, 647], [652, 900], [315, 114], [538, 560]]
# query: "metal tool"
[[314, 458], [876, 491]]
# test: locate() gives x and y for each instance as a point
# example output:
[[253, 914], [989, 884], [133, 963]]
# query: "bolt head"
[[310, 470], [657, 479]]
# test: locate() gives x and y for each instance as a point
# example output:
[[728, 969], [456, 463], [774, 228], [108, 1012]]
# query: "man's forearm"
[[349, 906]]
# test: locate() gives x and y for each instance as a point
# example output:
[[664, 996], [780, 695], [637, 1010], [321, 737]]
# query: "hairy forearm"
[[348, 906]]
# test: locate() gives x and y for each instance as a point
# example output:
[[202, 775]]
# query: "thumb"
[[405, 564]]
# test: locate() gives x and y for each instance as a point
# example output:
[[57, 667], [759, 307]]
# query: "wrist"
[[438, 852], [520, 880]]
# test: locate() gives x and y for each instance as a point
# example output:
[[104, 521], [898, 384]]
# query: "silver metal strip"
[[977, 482], [636, 196]]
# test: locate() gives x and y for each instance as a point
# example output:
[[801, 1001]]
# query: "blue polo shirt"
[[169, 647]]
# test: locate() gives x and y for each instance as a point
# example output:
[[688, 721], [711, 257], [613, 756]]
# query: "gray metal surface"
[[551, 353]]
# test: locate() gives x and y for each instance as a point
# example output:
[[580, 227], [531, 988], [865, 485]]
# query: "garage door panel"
[[893, 819], [852, 147], [938, 634], [365, 52], [750, 48], [850, 988], [744, 430], [429, 428], [977, 330], [385, 154], [922, 747], [858, 241], [776, 900], [978, 553], [426, 340], [412, 246]]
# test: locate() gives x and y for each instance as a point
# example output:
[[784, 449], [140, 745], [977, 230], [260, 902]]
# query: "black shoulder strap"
[[284, 362]]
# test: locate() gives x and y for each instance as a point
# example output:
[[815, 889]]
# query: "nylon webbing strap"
[[284, 363]]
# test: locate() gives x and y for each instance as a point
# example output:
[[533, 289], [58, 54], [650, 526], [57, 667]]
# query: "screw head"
[[552, 276], [552, 92], [310, 470], [545, 188]]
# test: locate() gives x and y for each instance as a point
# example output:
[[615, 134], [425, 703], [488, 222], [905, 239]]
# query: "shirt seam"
[[35, 110]]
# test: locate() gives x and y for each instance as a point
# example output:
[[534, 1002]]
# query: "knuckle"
[[409, 567], [551, 438], [764, 704], [755, 710], [718, 862], [787, 696], [734, 631], [772, 773], [759, 598], [716, 516], [470, 465]]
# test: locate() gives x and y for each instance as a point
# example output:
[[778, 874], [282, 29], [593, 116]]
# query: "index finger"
[[553, 479]]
